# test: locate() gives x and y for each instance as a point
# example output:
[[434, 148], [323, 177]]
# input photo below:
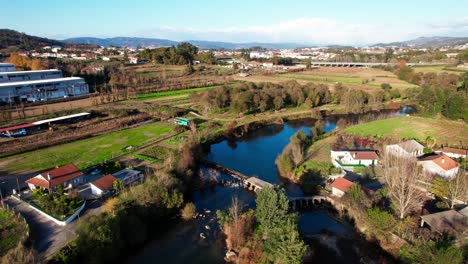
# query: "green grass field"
[[86, 152], [173, 93], [419, 128]]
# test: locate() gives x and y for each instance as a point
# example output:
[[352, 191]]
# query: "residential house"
[[440, 165], [69, 176], [129, 176], [340, 186], [99, 186], [351, 158], [409, 148], [453, 152]]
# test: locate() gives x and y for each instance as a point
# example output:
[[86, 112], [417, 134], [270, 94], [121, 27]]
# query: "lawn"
[[11, 231], [419, 128], [173, 93], [87, 151]]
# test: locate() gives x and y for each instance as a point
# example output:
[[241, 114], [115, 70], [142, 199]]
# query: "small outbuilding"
[[103, 184], [340, 186]]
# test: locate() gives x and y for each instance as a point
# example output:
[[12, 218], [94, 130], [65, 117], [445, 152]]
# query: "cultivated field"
[[359, 78], [396, 128], [88, 151], [440, 69]]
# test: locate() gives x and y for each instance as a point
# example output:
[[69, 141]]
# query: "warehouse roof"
[[60, 118], [40, 81], [28, 72]]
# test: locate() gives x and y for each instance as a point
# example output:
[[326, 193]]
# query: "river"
[[253, 155]]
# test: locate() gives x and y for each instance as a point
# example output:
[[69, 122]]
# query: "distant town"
[[188, 154]]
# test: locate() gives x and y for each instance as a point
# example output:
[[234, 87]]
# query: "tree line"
[[183, 53], [441, 93]]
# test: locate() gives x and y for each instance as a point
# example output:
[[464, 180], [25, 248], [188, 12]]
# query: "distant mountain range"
[[11, 41], [422, 42], [427, 42], [154, 42]]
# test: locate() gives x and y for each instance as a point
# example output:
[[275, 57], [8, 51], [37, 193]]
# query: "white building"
[[409, 148], [7, 67], [440, 165], [129, 176], [260, 55], [41, 90], [344, 159], [101, 185], [453, 152], [19, 76]]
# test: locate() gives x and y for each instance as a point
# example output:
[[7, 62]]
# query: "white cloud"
[[315, 31]]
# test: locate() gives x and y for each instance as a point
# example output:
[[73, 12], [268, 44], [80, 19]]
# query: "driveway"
[[47, 236]]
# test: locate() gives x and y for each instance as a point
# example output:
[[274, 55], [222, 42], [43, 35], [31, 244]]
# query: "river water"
[[252, 155]]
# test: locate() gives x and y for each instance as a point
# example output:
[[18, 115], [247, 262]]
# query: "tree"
[[386, 86], [272, 208], [308, 64], [282, 242], [189, 69], [188, 212], [285, 244], [402, 176], [451, 190], [118, 185]]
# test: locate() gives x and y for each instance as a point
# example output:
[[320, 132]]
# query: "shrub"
[[188, 212]]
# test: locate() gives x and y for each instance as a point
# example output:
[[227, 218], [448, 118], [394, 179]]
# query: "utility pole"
[[19, 190]]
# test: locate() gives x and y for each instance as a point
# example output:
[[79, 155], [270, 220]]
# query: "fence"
[[58, 222], [19, 217]]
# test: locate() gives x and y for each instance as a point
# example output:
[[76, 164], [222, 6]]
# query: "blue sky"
[[304, 21]]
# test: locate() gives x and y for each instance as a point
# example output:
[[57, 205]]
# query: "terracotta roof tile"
[[104, 183], [455, 150], [342, 184], [364, 155], [443, 161], [58, 176]]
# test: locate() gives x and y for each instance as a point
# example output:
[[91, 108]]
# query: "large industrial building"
[[33, 86], [42, 90], [7, 67], [19, 76]]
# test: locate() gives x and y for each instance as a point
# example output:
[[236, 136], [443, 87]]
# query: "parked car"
[[96, 172]]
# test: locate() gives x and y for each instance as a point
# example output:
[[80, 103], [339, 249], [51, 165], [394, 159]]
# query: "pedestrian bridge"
[[309, 201]]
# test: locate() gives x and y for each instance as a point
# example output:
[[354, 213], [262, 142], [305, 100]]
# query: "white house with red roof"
[[68, 176], [440, 165], [340, 186], [454, 153], [105, 183], [349, 158]]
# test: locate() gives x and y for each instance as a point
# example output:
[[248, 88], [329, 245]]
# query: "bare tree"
[[402, 176], [457, 188], [297, 154]]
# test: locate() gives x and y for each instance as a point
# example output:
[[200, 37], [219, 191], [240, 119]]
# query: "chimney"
[[49, 177], [443, 160], [354, 155]]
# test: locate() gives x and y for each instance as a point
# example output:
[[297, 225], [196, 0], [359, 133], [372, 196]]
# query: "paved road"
[[47, 236]]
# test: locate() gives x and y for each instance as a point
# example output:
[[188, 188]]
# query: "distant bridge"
[[364, 64]]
